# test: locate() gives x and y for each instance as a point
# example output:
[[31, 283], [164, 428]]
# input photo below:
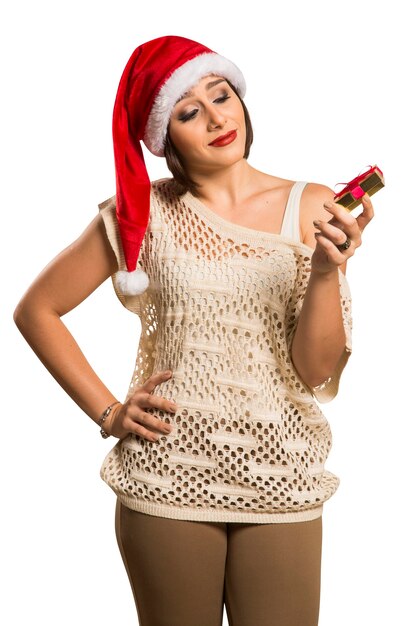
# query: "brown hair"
[[174, 162]]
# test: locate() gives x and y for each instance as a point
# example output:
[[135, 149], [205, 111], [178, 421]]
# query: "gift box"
[[369, 182]]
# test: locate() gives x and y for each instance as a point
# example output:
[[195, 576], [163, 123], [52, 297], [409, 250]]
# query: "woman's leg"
[[273, 574], [175, 568]]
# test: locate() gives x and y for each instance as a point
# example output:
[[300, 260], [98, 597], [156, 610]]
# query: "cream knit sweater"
[[249, 441]]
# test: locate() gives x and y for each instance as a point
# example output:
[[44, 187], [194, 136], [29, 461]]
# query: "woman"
[[238, 279]]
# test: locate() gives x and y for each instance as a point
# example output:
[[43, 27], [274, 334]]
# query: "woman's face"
[[211, 109]]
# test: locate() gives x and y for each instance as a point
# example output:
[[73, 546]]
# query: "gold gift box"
[[369, 182]]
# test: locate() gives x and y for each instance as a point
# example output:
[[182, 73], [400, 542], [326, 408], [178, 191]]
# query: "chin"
[[233, 156]]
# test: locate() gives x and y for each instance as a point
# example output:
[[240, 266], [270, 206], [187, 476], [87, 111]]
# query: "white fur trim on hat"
[[131, 283], [181, 81]]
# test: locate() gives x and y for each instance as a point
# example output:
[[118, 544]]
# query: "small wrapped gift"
[[369, 182]]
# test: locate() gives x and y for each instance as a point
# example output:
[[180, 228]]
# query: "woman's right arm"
[[61, 286]]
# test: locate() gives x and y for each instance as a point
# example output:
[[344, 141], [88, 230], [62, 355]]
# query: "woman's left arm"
[[319, 338]]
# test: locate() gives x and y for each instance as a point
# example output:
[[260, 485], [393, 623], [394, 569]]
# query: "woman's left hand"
[[338, 238]]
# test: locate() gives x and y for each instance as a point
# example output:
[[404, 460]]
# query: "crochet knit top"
[[249, 440]]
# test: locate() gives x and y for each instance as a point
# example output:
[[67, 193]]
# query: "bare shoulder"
[[270, 190], [268, 182], [311, 208], [313, 197]]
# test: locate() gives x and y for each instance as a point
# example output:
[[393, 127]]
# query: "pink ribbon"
[[354, 187]]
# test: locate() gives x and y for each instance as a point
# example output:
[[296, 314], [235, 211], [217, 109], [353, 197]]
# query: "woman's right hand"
[[132, 418]]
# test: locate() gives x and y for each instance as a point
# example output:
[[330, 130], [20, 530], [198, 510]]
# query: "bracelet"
[[102, 419]]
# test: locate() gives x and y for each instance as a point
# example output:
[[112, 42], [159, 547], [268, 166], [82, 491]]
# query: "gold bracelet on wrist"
[[102, 419]]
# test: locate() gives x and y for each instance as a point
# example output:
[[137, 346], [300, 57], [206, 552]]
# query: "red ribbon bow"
[[354, 186]]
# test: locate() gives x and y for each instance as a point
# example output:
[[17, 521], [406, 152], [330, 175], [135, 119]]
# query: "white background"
[[330, 91]]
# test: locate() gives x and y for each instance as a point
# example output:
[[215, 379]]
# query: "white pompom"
[[131, 283]]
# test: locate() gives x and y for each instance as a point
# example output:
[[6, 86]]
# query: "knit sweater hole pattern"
[[249, 441]]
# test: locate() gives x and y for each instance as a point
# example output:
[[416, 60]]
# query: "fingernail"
[[167, 373], [328, 204], [173, 407], [316, 223]]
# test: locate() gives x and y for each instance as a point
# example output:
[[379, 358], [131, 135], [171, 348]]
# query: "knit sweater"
[[249, 441]]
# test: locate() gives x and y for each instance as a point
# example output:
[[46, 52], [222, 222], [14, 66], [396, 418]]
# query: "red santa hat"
[[157, 74]]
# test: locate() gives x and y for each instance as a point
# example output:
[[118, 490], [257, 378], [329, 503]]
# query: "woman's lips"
[[224, 140]]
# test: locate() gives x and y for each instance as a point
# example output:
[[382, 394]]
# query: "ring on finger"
[[344, 246]]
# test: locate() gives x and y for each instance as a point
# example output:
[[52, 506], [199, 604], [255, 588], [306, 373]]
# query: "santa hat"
[[157, 74]]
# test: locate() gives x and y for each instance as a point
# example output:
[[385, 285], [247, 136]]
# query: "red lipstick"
[[224, 140]]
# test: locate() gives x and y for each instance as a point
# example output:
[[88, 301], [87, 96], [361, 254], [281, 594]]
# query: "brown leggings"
[[181, 572]]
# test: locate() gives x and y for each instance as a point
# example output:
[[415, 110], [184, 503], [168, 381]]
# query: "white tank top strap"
[[291, 223]]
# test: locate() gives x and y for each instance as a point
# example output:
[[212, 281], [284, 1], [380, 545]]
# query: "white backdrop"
[[330, 91]]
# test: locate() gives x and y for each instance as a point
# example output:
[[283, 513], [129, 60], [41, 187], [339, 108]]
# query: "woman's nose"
[[215, 118]]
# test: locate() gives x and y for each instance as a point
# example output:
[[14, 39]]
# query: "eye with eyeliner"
[[191, 115]]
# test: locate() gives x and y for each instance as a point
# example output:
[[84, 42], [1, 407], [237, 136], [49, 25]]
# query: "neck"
[[227, 186]]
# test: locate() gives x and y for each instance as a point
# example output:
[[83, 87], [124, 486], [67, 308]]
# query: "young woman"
[[238, 279]]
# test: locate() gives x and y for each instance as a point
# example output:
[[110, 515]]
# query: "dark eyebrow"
[[208, 86]]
